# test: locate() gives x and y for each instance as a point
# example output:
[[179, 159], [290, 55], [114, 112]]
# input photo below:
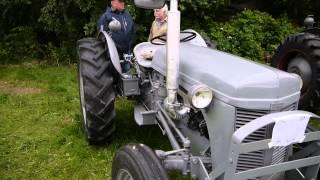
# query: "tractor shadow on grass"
[[127, 131]]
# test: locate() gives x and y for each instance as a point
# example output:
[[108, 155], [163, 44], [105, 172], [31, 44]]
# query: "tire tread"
[[98, 90]]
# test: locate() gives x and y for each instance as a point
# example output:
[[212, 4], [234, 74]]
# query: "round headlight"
[[200, 96]]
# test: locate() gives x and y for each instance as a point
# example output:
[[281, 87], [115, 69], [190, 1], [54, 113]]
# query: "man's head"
[[161, 14], [117, 5]]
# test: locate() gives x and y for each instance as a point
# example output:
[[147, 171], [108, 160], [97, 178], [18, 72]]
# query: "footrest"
[[144, 117]]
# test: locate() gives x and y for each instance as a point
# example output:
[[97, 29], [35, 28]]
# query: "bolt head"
[[194, 161], [187, 143], [231, 160]]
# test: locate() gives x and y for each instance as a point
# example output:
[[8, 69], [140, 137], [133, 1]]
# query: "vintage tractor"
[[226, 118], [300, 54]]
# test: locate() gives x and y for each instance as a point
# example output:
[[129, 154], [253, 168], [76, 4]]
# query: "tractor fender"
[[113, 52]]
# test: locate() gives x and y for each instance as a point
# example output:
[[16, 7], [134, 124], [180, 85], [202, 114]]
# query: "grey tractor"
[[226, 117]]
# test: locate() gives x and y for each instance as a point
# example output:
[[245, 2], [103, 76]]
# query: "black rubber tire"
[[139, 161], [305, 45], [96, 89]]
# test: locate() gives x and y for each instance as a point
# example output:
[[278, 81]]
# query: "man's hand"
[[147, 55]]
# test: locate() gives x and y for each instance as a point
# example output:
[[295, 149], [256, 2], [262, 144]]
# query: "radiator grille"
[[280, 153], [257, 159]]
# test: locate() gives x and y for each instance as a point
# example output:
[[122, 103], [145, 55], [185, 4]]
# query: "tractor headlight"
[[200, 96]]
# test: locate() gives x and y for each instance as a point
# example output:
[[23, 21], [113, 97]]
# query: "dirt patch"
[[67, 120], [6, 87]]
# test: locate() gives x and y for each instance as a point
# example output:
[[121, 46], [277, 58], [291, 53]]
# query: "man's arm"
[[103, 21]]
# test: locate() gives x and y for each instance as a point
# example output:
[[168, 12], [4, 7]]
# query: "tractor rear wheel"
[[96, 89], [300, 54], [137, 162]]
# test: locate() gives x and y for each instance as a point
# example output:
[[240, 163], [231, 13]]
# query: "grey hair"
[[164, 9]]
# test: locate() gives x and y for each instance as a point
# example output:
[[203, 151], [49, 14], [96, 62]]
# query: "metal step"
[[143, 116]]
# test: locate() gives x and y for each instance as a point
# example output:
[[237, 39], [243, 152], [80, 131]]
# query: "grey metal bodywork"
[[236, 83], [234, 80], [220, 119], [113, 52], [243, 92], [149, 4]]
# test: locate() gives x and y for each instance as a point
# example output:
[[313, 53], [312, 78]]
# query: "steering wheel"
[[190, 35]]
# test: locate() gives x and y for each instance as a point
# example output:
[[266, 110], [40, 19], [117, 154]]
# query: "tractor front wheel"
[[137, 162]]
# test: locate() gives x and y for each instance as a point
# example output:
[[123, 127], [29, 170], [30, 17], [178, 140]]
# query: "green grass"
[[41, 135]]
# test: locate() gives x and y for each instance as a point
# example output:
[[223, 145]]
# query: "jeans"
[[125, 66]]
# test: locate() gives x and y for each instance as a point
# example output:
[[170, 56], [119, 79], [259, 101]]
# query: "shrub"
[[18, 45], [60, 55], [251, 34]]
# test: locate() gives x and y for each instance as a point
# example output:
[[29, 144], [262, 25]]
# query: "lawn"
[[40, 132]]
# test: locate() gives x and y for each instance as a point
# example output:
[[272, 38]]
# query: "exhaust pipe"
[[173, 57]]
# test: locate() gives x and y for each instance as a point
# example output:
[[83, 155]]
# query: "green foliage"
[[251, 34], [60, 55], [19, 44], [51, 28], [68, 17], [203, 9], [59, 24], [295, 9]]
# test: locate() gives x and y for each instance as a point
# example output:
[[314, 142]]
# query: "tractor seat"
[[142, 48]]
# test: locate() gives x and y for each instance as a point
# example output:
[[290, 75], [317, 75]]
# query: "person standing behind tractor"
[[123, 38], [159, 25]]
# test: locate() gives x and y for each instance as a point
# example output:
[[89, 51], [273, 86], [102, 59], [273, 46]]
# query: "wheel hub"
[[299, 65]]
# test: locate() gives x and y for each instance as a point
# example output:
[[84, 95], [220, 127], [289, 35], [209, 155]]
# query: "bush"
[[251, 34], [21, 45], [61, 55], [18, 45]]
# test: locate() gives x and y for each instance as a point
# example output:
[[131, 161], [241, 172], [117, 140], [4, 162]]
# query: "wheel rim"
[[299, 65], [124, 174], [82, 99]]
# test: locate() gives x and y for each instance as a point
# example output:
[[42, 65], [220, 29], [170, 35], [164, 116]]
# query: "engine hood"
[[233, 79]]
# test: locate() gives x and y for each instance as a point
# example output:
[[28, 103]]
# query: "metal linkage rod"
[[175, 145], [185, 141]]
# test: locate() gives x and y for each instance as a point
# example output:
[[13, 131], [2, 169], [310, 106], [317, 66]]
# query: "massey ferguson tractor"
[[226, 117]]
